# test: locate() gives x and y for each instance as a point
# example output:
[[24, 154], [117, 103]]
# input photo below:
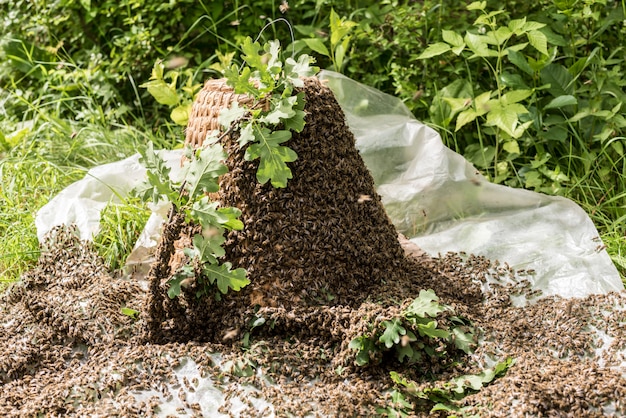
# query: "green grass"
[[39, 162]]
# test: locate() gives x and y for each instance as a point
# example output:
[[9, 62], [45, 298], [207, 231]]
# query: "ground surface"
[[66, 349]]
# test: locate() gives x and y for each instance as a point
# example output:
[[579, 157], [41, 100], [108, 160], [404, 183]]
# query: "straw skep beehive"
[[323, 239]]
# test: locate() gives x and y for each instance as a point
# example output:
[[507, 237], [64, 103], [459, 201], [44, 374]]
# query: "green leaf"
[[272, 56], [513, 81], [533, 26], [500, 36], [174, 283], [515, 96], [130, 312], [505, 117], [512, 147], [229, 115], [452, 38], [519, 60], [339, 28], [463, 341], [225, 278], [232, 215], [392, 333], [481, 157], [283, 109], [158, 185], [240, 80], [340, 53], [317, 45], [434, 50], [560, 80], [430, 330], [209, 215], [477, 5], [426, 304], [478, 45], [207, 247], [561, 101], [273, 156], [539, 41], [465, 117], [364, 346], [457, 103], [180, 114], [252, 54], [246, 134], [162, 92], [295, 70], [517, 26], [202, 172], [406, 351]]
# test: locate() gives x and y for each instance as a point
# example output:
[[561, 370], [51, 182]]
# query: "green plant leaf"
[[364, 345], [232, 215], [560, 80], [232, 114], [393, 331], [452, 38], [273, 156], [174, 283], [519, 60], [282, 110], [158, 184], [512, 147], [225, 278], [339, 27], [477, 5], [317, 45], [430, 330], [425, 305], [539, 41], [457, 104], [209, 215], [506, 118], [478, 45], [130, 312], [180, 114], [515, 96], [162, 92], [561, 101], [296, 70], [500, 36], [434, 50], [462, 340], [465, 117], [207, 247], [202, 172]]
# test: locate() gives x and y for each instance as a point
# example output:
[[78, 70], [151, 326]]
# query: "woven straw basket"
[[214, 96]]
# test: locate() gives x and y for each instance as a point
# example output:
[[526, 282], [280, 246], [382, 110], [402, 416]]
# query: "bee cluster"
[[326, 265], [325, 239]]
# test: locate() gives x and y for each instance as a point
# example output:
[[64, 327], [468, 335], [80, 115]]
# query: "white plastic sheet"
[[439, 200], [433, 195]]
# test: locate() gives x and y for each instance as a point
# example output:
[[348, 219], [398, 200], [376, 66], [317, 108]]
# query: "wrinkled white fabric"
[[442, 203]]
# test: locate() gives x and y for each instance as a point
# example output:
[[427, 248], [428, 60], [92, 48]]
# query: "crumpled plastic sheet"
[[432, 194], [442, 203]]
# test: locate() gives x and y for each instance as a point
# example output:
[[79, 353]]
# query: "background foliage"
[[71, 70]]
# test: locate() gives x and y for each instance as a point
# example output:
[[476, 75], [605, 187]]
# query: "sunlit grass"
[[48, 155]]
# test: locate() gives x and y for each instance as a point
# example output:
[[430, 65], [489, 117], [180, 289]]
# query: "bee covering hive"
[[323, 239]]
